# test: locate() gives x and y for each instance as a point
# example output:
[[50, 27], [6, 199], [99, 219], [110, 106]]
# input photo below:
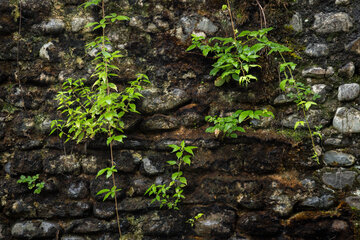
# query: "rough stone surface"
[[322, 202], [342, 2], [339, 179], [53, 26], [159, 123], [155, 103], [332, 22], [78, 190], [347, 120], [354, 46], [318, 72], [206, 26], [315, 118], [215, 224], [63, 164], [348, 92], [353, 201], [317, 50], [321, 90], [259, 224], [281, 99], [338, 159], [35, 229], [347, 71], [152, 167], [296, 22]]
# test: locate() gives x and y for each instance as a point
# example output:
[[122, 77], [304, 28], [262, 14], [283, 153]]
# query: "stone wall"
[[262, 185]]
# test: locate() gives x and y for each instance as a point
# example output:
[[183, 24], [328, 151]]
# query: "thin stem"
[[109, 129], [231, 18], [303, 110], [233, 28], [262, 13]]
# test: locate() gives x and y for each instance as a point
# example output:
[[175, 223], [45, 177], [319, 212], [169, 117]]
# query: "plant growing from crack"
[[235, 57], [193, 220], [99, 109], [32, 182], [172, 193]]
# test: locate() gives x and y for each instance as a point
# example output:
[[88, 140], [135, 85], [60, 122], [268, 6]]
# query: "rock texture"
[[264, 184]]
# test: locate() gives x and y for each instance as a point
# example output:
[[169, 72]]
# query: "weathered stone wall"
[[263, 185]]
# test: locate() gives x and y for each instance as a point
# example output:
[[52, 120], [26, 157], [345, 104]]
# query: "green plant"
[[192, 221], [31, 182], [301, 95], [99, 109], [229, 125], [235, 56], [178, 181]]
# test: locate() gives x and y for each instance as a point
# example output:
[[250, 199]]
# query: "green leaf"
[[219, 81], [308, 105], [191, 47], [298, 123], [101, 172], [172, 162], [102, 191], [189, 149], [186, 160], [119, 138], [174, 147], [283, 84]]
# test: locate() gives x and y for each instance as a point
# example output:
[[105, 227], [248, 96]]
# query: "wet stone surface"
[[339, 179]]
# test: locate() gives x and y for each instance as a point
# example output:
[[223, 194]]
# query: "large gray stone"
[[35, 229], [339, 179], [332, 22], [62, 164], [348, 92], [77, 190], [152, 167], [156, 102], [347, 71], [322, 202], [354, 46], [53, 26], [342, 2], [321, 90], [317, 50], [314, 117], [347, 120], [217, 223], [296, 23], [78, 23], [281, 99], [353, 201], [160, 122], [317, 72], [72, 237], [206, 25], [338, 159]]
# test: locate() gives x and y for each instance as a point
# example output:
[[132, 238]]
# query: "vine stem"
[[233, 28], [109, 130], [303, 110]]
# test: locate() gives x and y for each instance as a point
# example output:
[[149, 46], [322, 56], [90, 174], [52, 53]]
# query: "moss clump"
[[297, 136]]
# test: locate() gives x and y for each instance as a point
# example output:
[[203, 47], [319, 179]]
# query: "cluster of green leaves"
[[109, 192], [90, 111], [31, 182], [235, 57], [192, 221], [178, 181], [100, 108], [303, 96], [231, 124]]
